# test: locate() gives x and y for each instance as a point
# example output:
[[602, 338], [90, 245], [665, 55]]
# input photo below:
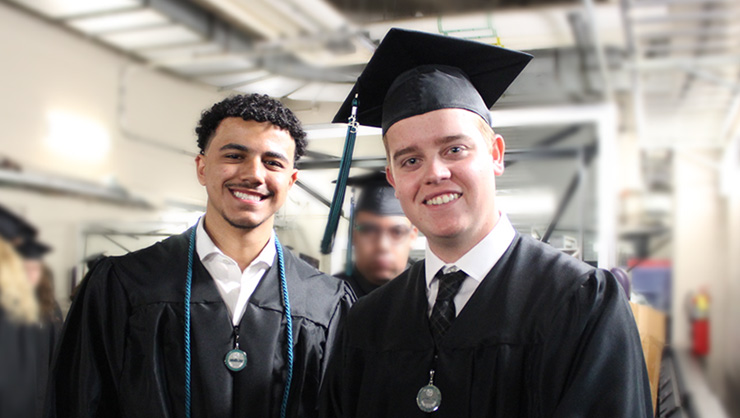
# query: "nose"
[[385, 241], [436, 171], [252, 171]]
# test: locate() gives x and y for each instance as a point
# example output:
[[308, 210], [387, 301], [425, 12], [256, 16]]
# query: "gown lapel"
[[486, 302]]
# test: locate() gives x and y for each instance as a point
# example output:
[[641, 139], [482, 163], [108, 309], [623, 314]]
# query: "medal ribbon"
[[288, 326]]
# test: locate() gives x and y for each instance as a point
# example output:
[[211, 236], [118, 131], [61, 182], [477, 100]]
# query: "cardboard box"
[[651, 325]]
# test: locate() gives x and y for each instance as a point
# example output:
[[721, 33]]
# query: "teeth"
[[247, 196], [442, 199]]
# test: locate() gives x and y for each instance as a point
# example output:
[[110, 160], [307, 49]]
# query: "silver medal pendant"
[[236, 360], [429, 397]]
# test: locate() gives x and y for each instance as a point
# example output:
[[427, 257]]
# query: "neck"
[[375, 281], [451, 249], [242, 245]]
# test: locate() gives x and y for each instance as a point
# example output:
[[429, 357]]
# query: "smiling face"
[[247, 169], [443, 169]]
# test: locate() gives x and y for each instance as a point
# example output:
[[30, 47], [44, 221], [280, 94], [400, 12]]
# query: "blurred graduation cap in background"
[[412, 73], [32, 249], [376, 194], [15, 229]]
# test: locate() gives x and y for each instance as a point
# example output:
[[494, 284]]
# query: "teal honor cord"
[[236, 359]]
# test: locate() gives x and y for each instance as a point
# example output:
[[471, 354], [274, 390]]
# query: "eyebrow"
[[240, 147], [237, 147], [404, 151], [439, 141]]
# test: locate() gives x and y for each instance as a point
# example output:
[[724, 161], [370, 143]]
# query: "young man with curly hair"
[[219, 321]]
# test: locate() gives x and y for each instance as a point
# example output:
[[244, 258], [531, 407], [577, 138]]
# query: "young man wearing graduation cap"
[[220, 321], [492, 323], [382, 235]]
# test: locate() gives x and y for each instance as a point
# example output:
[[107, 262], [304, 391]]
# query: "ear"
[[389, 176], [497, 153], [293, 177], [414, 233], [200, 168]]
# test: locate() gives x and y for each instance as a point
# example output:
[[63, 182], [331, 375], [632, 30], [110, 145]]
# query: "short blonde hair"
[[485, 129], [17, 297]]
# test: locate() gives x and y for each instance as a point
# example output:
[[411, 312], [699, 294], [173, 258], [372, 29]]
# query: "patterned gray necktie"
[[443, 312]]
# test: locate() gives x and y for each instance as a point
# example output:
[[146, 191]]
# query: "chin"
[[242, 222], [386, 279], [448, 232]]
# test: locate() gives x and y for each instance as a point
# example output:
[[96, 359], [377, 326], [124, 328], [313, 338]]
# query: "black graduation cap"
[[32, 249], [377, 195], [14, 229], [412, 73]]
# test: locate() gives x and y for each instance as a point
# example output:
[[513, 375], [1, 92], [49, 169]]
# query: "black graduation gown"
[[19, 367], [25, 355], [121, 352], [357, 282], [544, 335]]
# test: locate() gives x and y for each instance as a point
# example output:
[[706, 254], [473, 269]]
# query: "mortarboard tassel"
[[327, 243], [348, 257]]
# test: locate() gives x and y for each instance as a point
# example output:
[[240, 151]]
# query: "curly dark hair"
[[257, 107]]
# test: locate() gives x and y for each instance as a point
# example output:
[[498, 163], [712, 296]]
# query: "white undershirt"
[[476, 263], [235, 286]]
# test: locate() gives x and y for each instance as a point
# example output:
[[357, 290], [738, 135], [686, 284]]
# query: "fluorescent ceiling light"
[[66, 8], [246, 14], [322, 92], [180, 52], [152, 38], [77, 137], [321, 11], [118, 21], [276, 86], [234, 79], [217, 64]]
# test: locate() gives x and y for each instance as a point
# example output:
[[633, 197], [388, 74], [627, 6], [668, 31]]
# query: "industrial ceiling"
[[671, 67]]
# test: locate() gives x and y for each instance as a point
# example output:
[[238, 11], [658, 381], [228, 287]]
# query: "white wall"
[[57, 70], [705, 223]]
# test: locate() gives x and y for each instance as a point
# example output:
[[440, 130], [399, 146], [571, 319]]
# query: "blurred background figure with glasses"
[[382, 236]]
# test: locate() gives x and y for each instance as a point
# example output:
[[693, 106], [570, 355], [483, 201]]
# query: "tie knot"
[[449, 284]]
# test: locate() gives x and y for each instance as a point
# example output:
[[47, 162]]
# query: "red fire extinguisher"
[[699, 313]]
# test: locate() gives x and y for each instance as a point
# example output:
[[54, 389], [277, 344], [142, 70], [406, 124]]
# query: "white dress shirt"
[[235, 286], [476, 263]]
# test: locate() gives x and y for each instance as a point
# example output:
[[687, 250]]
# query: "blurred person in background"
[[50, 314], [20, 338], [28, 340], [382, 236], [42, 279]]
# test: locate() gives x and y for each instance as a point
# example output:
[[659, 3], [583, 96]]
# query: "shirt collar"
[[477, 262], [206, 248]]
